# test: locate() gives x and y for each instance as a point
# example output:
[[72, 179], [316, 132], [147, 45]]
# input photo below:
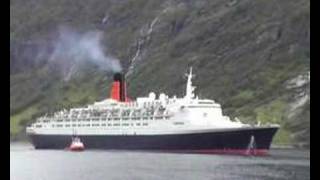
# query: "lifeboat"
[[76, 145]]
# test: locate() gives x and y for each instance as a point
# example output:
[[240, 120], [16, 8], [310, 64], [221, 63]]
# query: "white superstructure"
[[146, 115]]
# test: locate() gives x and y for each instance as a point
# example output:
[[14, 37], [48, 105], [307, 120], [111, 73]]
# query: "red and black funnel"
[[118, 91]]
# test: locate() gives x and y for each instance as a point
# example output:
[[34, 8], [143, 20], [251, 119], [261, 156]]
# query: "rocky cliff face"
[[253, 57]]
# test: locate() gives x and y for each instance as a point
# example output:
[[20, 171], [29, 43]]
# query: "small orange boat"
[[76, 145]]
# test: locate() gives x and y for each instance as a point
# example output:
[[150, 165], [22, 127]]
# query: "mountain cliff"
[[253, 57]]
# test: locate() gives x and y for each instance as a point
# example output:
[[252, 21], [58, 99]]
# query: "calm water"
[[29, 164]]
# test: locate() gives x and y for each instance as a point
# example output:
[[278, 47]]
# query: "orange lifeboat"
[[76, 145]]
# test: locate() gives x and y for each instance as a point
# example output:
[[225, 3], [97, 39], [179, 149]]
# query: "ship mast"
[[190, 88]]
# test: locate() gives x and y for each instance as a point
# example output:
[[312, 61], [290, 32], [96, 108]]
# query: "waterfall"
[[149, 32], [105, 19], [71, 71], [137, 52], [144, 37]]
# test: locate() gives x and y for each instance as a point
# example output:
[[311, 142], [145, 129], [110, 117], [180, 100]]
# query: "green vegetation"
[[15, 120], [275, 113], [243, 54]]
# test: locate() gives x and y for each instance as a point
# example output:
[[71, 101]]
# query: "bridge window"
[[200, 106], [205, 102]]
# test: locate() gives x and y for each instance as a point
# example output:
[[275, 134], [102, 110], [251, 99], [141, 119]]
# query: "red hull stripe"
[[256, 152], [76, 149]]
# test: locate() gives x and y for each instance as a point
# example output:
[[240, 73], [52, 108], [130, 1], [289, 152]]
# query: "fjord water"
[[26, 163]]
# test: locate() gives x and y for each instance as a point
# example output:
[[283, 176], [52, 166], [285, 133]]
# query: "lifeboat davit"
[[76, 145]]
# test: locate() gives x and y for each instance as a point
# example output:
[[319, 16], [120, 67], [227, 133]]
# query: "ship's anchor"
[[251, 149]]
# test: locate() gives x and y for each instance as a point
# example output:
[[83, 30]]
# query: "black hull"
[[236, 141]]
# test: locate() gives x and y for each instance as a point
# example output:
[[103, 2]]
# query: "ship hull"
[[255, 141]]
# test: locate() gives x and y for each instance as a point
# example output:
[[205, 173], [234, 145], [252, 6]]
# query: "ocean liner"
[[186, 124]]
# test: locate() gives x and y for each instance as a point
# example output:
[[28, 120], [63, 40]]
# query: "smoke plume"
[[71, 48]]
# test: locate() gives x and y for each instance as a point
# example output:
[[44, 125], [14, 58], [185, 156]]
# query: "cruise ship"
[[152, 123]]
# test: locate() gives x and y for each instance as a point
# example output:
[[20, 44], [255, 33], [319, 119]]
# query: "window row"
[[94, 125], [113, 119]]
